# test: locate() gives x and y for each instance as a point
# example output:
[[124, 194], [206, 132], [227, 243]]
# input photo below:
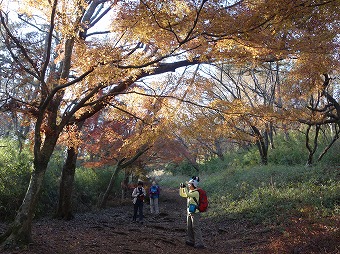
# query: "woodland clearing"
[[111, 231]]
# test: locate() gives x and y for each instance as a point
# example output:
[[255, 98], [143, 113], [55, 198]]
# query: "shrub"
[[294, 152], [272, 194], [15, 169], [184, 168], [90, 184], [288, 152]]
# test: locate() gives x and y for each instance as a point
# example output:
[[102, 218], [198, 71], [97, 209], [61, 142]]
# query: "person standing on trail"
[[138, 195], [194, 234], [154, 192]]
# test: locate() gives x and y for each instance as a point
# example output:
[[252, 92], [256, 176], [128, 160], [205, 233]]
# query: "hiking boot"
[[189, 243]]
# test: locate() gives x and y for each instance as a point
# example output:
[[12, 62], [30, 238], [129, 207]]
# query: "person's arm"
[[191, 194], [134, 193], [183, 192]]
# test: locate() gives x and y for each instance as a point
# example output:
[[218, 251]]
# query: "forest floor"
[[111, 231]]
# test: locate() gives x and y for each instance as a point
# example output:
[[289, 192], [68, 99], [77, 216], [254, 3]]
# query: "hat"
[[140, 183], [194, 181]]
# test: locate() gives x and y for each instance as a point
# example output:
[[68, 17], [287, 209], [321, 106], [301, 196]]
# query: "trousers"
[[138, 208], [194, 234], [154, 208]]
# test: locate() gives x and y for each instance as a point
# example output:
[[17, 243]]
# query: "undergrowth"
[[269, 194], [240, 188]]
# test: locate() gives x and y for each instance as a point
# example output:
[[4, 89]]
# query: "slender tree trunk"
[[109, 188], [271, 135], [312, 149], [195, 165], [124, 185], [335, 138], [120, 165], [262, 145]]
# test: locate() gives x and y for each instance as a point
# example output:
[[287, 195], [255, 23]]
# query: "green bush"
[[49, 198], [15, 169], [15, 172], [170, 180], [332, 156], [90, 184], [272, 194], [294, 152], [243, 157], [215, 165], [184, 168]]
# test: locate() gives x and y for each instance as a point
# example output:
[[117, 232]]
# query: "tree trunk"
[[67, 181], [312, 149], [262, 145], [66, 186], [271, 135], [335, 138], [125, 185]]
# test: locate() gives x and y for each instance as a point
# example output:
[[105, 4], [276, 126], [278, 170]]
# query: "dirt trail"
[[112, 231]]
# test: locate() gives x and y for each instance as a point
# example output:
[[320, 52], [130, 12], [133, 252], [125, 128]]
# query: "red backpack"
[[203, 200]]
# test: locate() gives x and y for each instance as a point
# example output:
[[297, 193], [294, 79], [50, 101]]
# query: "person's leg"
[[197, 230], [155, 201], [190, 231], [152, 202], [141, 215], [135, 209]]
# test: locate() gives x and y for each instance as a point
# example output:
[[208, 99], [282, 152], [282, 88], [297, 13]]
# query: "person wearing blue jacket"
[[154, 192]]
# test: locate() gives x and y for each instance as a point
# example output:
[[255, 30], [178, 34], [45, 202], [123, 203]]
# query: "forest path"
[[111, 231]]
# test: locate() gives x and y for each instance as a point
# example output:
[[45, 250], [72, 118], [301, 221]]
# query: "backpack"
[[202, 204]]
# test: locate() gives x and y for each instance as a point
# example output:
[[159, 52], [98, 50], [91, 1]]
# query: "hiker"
[[194, 234], [138, 195], [154, 192]]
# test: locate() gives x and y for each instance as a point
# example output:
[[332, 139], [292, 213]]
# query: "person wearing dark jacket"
[[138, 195]]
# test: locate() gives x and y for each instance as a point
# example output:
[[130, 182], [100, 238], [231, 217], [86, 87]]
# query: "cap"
[[193, 182]]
